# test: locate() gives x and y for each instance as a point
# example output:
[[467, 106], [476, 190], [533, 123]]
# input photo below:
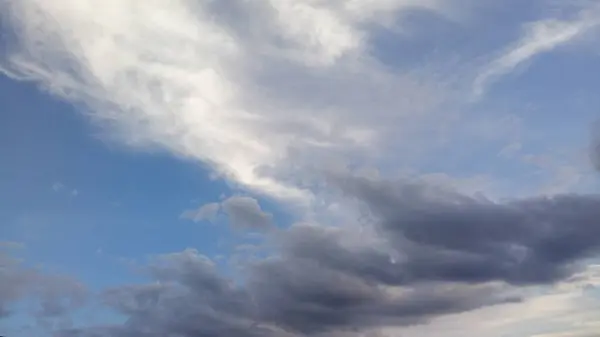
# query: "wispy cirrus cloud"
[[539, 37]]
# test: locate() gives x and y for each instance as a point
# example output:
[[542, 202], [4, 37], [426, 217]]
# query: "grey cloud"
[[446, 236], [54, 296], [59, 295], [442, 252], [595, 146], [190, 298], [306, 297], [283, 296], [245, 212]]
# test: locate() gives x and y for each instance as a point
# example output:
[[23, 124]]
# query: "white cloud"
[[205, 212], [57, 186], [237, 92], [259, 98], [510, 149], [60, 187], [540, 37]]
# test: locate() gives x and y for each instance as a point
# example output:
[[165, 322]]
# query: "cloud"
[[243, 212], [205, 212], [53, 295], [439, 234], [510, 150], [540, 37], [594, 150], [567, 308], [57, 186], [434, 253], [203, 80], [305, 297], [191, 298]]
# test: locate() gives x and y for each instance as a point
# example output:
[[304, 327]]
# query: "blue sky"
[[144, 142]]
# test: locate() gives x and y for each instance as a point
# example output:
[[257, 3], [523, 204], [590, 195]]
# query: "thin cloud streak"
[[540, 37]]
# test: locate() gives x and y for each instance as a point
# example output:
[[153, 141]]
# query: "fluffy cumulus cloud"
[[295, 100]]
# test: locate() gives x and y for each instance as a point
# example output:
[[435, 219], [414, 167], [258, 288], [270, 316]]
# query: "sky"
[[299, 168]]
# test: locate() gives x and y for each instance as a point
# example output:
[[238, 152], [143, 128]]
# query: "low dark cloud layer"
[[438, 252], [306, 297], [282, 297], [446, 236]]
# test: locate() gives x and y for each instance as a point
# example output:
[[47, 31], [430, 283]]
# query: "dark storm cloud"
[[445, 236], [440, 252], [303, 296], [283, 296]]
